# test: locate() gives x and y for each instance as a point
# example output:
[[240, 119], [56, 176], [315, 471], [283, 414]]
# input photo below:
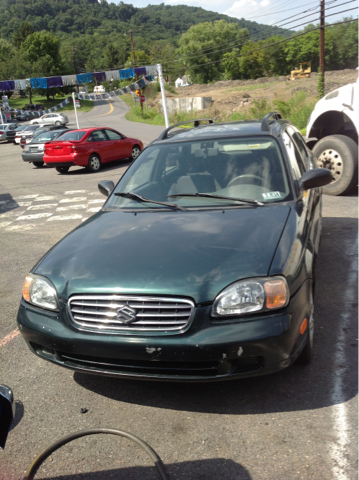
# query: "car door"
[[313, 195], [117, 145], [100, 144]]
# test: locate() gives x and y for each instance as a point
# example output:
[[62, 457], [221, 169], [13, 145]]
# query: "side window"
[[97, 136], [299, 150], [113, 135], [301, 166], [291, 149]]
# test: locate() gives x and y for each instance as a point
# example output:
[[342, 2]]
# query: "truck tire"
[[339, 154]]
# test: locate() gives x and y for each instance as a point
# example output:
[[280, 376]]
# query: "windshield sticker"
[[270, 195]]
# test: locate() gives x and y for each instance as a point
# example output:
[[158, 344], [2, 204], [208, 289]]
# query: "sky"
[[267, 12]]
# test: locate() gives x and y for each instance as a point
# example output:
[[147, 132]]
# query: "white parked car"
[[51, 118], [27, 132], [6, 126]]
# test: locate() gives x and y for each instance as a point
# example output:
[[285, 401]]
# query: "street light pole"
[[162, 85]]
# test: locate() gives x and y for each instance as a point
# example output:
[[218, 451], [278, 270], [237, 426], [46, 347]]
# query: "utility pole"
[[73, 56], [133, 53], [322, 41]]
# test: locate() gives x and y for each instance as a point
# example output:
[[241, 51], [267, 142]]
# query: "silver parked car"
[[6, 126], [51, 118]]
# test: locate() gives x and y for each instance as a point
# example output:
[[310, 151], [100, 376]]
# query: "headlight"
[[40, 291], [252, 295]]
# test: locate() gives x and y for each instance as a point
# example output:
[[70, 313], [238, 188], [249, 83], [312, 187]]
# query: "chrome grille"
[[127, 314]]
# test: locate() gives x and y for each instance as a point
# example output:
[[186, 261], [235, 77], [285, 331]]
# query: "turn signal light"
[[26, 288], [304, 325], [276, 293]]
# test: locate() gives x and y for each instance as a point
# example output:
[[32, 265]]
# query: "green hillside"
[[76, 17]]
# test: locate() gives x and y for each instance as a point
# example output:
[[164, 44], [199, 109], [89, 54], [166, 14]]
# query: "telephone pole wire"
[[322, 40]]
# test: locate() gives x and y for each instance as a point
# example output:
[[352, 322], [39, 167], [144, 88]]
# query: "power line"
[[233, 44], [273, 44]]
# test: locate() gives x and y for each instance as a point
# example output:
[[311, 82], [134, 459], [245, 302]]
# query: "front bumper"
[[207, 351]]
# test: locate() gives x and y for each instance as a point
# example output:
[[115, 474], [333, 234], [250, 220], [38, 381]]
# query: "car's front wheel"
[[135, 152], [57, 122], [62, 169], [94, 164], [38, 164], [35, 123]]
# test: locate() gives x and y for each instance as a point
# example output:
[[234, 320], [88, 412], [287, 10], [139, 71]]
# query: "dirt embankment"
[[237, 95]]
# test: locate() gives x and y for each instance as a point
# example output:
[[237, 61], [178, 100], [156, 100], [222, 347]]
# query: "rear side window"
[[75, 135], [97, 136]]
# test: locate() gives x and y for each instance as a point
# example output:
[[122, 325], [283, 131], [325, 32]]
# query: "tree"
[[22, 33], [203, 46], [231, 67], [165, 53], [141, 59]]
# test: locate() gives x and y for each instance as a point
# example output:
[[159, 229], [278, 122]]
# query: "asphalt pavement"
[[300, 423]]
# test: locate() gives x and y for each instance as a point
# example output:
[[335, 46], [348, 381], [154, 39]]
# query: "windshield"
[[73, 135], [251, 169]]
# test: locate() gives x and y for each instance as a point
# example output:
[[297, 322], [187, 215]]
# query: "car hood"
[[193, 254]]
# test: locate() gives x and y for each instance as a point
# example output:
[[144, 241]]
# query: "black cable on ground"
[[83, 433]]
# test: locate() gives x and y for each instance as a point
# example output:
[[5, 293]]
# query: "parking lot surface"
[[300, 423]]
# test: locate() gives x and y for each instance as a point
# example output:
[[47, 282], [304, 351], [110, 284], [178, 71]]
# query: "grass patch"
[[86, 105], [297, 110]]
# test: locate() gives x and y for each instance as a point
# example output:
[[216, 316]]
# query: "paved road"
[[297, 424]]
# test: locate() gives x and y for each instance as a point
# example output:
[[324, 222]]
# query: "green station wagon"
[[200, 265]]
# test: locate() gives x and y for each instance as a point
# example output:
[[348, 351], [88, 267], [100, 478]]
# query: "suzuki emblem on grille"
[[126, 315]]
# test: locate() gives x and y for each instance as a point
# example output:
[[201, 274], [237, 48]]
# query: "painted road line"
[[44, 205], [9, 337], [44, 198], [94, 209], [73, 199], [108, 113], [28, 196], [5, 224], [21, 227], [72, 192], [341, 422], [70, 207], [64, 217], [96, 201], [35, 216]]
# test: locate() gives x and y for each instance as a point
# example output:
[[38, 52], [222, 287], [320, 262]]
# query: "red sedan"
[[90, 148]]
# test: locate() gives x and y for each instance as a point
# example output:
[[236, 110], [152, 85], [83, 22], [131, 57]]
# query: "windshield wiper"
[[210, 195], [139, 198]]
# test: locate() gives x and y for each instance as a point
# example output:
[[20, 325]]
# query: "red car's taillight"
[[73, 149]]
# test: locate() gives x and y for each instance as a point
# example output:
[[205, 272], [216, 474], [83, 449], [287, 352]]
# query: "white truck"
[[332, 134]]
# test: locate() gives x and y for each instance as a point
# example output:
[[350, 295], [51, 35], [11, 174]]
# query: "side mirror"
[[7, 412], [317, 177], [106, 187]]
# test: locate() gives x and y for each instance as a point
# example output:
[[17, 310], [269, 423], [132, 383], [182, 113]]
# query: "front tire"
[[339, 154], [57, 123], [62, 169], [38, 164], [94, 164], [135, 152]]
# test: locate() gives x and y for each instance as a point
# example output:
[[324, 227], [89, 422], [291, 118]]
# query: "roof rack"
[[196, 122], [265, 121]]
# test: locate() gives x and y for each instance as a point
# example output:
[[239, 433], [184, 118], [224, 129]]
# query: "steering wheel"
[[248, 176]]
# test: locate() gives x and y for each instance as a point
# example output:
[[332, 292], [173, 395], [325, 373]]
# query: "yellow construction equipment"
[[301, 72]]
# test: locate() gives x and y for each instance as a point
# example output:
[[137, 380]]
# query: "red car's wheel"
[[135, 152], [94, 164]]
